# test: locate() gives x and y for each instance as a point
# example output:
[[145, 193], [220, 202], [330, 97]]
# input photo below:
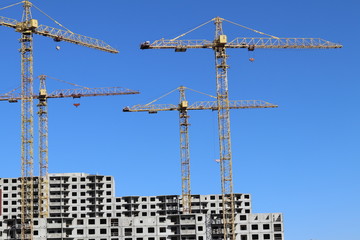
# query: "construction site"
[[62, 185]]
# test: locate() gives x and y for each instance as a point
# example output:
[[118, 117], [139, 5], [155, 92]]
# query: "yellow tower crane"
[[12, 96], [219, 46], [183, 108], [27, 27]]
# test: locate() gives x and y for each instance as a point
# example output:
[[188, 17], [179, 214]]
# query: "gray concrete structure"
[[83, 207]]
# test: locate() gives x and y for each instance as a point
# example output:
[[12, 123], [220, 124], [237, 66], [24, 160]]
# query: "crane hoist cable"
[[11, 91], [11, 5], [52, 18], [200, 92], [262, 33], [191, 30], [161, 97], [201, 25], [66, 82], [41, 12], [166, 94]]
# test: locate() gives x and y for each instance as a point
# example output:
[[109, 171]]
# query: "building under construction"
[[84, 207]]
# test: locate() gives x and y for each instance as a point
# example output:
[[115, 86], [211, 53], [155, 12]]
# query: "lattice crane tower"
[[183, 108], [42, 113], [27, 27], [43, 127], [219, 45]]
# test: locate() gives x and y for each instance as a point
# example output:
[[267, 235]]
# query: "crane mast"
[[222, 95], [43, 150], [184, 152], [27, 120]]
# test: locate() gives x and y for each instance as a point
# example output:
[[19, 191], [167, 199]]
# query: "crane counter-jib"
[[8, 22]]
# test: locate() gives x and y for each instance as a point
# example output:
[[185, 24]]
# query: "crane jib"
[[249, 43]]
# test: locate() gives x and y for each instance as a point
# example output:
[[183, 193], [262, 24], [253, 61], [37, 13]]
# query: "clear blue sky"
[[301, 159]]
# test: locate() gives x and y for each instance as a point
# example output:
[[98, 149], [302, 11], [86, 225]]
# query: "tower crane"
[[27, 27], [42, 105], [183, 108], [219, 46]]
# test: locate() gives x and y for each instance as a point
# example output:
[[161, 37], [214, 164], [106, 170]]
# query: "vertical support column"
[[184, 152], [224, 131], [208, 223], [27, 126], [43, 150]]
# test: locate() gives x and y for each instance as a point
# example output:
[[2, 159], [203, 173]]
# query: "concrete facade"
[[83, 207]]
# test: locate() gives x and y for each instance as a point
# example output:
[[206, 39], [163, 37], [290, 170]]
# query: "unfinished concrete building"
[[83, 207]]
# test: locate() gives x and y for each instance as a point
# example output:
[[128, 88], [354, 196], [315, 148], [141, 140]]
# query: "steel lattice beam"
[[43, 151], [244, 43], [222, 95], [184, 153], [200, 105], [27, 129]]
